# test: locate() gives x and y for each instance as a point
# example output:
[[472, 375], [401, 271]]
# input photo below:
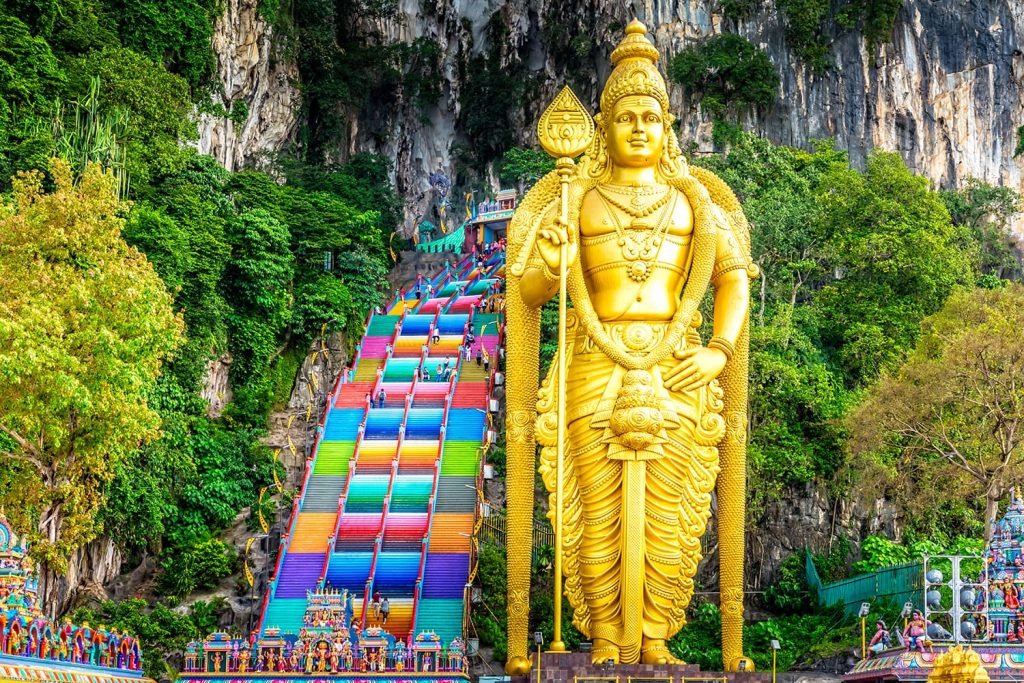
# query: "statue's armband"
[[729, 255]]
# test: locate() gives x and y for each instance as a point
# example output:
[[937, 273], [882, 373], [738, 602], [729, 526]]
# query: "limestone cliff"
[[251, 79], [946, 91]]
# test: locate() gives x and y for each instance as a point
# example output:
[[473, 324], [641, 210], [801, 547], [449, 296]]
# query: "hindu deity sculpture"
[[653, 416], [916, 632]]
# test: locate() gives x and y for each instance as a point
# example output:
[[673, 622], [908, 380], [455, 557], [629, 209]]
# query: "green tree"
[[895, 255], [988, 211], [727, 72], [258, 284], [157, 103], [523, 167], [174, 33], [160, 630], [85, 327], [949, 424], [30, 78]]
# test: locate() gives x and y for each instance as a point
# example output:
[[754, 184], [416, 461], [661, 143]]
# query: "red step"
[[470, 395], [353, 394]]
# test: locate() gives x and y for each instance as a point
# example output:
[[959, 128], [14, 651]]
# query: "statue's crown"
[[635, 71]]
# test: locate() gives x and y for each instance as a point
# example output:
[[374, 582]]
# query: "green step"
[[443, 617], [382, 326], [399, 369], [285, 613], [366, 494], [332, 457], [411, 494], [482, 319], [460, 458]]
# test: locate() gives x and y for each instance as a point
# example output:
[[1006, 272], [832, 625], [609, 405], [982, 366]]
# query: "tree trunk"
[[991, 509]]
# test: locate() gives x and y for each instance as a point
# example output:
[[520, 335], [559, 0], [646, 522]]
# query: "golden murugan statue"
[[652, 416]]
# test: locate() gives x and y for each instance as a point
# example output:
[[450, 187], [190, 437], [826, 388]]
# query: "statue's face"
[[636, 131]]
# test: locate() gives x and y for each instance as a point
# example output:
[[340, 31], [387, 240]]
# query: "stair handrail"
[[353, 463], [296, 504], [448, 400], [387, 356], [386, 507]]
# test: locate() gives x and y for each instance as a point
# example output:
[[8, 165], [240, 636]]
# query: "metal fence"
[[492, 530], [896, 584]]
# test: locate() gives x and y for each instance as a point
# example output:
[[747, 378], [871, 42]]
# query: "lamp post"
[[775, 650], [538, 638], [865, 609]]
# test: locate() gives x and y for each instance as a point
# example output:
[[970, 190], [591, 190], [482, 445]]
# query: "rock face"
[[250, 72], [90, 568], [947, 90]]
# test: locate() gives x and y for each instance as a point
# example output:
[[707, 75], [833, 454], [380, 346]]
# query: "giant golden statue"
[[651, 417]]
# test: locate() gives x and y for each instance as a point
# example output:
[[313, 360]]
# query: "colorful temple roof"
[[327, 645], [34, 648], [989, 609]]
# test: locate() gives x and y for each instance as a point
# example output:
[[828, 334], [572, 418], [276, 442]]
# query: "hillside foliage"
[[238, 258]]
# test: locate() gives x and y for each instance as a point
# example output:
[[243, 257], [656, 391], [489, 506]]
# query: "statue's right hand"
[[549, 243]]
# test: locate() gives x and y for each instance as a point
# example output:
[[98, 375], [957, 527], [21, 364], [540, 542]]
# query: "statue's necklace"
[[640, 253], [636, 209]]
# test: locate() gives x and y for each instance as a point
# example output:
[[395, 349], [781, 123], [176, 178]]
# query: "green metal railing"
[[896, 584]]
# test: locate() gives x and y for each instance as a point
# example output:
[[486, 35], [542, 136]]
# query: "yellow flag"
[[259, 510], [250, 579], [277, 480], [469, 204]]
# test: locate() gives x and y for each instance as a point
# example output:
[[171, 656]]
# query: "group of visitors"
[[381, 607]]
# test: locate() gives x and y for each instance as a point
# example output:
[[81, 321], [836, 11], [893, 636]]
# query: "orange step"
[[376, 454], [399, 618], [312, 529], [450, 533]]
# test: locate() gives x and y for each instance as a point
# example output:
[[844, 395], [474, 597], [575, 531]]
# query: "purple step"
[[299, 572], [444, 575]]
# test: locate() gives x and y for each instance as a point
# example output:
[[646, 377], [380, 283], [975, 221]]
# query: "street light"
[[865, 609], [538, 638], [775, 650]]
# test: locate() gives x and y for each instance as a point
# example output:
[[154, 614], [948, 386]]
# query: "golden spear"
[[565, 130]]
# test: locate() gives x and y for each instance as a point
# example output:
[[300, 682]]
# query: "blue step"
[[465, 424], [342, 424], [452, 323], [349, 570]]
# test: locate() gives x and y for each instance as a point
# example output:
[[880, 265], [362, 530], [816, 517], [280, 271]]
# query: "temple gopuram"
[[986, 617], [34, 648], [326, 645]]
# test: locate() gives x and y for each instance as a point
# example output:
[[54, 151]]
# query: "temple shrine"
[[35, 648], [328, 644], [986, 616]]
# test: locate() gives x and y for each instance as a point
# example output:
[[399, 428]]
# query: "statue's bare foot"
[[604, 650], [655, 652]]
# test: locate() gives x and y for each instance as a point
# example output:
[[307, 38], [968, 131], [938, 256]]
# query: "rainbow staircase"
[[389, 500]]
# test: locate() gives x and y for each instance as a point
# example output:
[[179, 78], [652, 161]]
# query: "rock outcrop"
[[946, 91], [253, 81]]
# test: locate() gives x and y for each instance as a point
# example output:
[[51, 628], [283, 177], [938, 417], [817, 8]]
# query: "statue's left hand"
[[698, 365]]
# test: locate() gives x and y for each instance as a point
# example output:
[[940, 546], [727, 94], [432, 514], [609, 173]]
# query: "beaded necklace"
[[640, 253], [637, 210]]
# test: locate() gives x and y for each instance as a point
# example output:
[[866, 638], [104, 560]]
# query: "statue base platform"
[[576, 666]]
